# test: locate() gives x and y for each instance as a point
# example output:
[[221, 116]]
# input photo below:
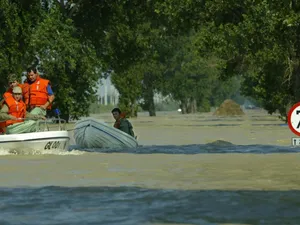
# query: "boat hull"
[[92, 133], [40, 141]]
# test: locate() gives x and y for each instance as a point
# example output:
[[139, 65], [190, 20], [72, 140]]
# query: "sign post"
[[294, 123]]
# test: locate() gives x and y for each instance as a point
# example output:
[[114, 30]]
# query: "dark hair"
[[116, 110], [31, 68]]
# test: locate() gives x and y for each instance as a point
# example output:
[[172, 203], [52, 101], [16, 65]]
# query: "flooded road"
[[254, 180]]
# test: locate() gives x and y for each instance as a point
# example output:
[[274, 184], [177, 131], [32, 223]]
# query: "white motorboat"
[[93, 133], [50, 138]]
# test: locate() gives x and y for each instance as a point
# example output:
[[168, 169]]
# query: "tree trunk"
[[188, 106], [183, 106], [193, 105], [297, 83], [149, 100], [151, 106], [133, 110], [152, 111]]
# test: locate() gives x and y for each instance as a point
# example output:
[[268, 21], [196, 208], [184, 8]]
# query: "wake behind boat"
[[93, 133], [49, 138]]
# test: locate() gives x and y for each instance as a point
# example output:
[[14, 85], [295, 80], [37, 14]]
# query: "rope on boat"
[[78, 128]]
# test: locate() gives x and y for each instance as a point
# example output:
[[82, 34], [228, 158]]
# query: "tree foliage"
[[69, 63], [38, 33], [199, 52], [257, 39]]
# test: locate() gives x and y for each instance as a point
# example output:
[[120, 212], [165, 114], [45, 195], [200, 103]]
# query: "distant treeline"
[[196, 52]]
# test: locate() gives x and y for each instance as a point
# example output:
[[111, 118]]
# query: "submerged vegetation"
[[196, 53]]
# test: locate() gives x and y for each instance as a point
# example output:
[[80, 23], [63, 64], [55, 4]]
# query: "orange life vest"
[[25, 90], [7, 94], [38, 94], [15, 108]]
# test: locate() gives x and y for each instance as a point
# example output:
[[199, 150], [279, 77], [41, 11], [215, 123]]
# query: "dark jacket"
[[124, 125]]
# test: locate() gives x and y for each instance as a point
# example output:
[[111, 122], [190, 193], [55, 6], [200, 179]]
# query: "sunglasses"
[[17, 93]]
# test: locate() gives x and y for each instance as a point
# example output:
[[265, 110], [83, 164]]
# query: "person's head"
[[116, 112], [12, 80], [32, 74], [17, 93]]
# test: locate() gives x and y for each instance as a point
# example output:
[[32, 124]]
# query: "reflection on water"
[[217, 147], [190, 184], [132, 205]]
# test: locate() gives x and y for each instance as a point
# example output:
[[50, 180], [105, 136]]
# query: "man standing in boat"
[[121, 122], [40, 94], [13, 112]]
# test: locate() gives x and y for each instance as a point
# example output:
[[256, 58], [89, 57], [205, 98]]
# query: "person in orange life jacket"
[[41, 95], [13, 112], [121, 122], [12, 82]]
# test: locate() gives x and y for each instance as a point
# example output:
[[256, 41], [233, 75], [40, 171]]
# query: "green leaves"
[[14, 33], [259, 39], [69, 62], [174, 47], [49, 39]]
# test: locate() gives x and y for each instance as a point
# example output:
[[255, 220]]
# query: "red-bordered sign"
[[294, 119]]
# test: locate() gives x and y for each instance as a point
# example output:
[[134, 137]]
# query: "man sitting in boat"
[[40, 92], [13, 112], [121, 122], [13, 81]]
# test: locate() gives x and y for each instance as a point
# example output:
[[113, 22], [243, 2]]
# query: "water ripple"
[[165, 149], [198, 149], [132, 205]]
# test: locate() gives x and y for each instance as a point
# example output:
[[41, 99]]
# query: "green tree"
[[129, 87], [128, 38], [226, 89], [69, 63], [190, 78], [259, 39], [16, 24]]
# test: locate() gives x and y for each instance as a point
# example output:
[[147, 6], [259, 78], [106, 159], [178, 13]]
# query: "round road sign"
[[294, 119]]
